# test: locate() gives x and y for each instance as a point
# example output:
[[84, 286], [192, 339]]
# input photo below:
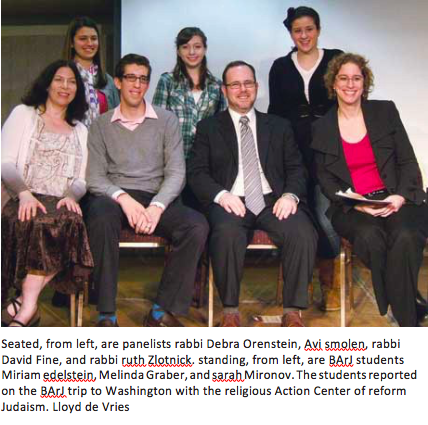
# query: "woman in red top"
[[363, 145]]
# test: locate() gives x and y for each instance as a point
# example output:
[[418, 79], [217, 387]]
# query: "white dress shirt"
[[238, 187]]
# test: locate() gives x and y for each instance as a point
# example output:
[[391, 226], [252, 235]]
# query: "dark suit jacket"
[[393, 152], [213, 163]]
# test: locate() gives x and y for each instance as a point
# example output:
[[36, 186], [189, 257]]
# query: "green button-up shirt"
[[177, 97]]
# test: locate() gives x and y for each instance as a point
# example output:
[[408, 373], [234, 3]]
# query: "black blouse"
[[288, 100]]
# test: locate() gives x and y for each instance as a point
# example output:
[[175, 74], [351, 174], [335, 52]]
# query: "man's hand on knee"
[[232, 204], [154, 213], [284, 206]]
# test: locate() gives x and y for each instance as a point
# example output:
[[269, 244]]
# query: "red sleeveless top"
[[362, 166]]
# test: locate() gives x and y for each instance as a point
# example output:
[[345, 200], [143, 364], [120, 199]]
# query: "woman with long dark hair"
[[44, 155], [82, 45], [362, 145], [297, 92], [190, 90]]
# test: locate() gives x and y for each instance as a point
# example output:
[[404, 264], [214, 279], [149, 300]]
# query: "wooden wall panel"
[[25, 52], [23, 57]]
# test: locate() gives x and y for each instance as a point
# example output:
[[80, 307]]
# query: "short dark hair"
[[69, 52], [180, 70], [234, 64], [300, 12], [37, 95], [131, 59]]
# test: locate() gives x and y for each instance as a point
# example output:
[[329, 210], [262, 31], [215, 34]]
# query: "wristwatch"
[[291, 195]]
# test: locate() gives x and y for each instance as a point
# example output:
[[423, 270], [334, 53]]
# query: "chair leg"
[[210, 296], [73, 310], [349, 279], [279, 285], [80, 309], [342, 275]]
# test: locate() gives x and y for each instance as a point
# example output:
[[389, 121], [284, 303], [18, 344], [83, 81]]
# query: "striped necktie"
[[252, 180]]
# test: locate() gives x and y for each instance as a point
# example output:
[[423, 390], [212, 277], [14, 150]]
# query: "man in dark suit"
[[247, 172]]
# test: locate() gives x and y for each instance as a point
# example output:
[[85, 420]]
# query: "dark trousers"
[[328, 239], [392, 248], [186, 229], [296, 237]]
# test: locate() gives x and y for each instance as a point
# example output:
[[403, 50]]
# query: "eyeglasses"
[[344, 79], [236, 85], [131, 78]]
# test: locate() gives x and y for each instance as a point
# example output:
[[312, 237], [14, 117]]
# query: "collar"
[[150, 113], [236, 116], [93, 69], [307, 71], [327, 133]]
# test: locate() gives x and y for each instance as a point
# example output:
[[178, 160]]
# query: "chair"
[[128, 239], [260, 240], [345, 273], [76, 311]]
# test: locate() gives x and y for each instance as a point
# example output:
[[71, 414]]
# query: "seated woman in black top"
[[297, 92], [363, 145]]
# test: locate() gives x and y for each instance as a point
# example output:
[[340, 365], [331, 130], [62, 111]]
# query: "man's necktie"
[[252, 180]]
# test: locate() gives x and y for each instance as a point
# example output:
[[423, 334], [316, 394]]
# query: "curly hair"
[[37, 95], [334, 67]]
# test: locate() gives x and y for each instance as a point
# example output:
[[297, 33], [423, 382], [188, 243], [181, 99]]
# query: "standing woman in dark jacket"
[[363, 145], [297, 92]]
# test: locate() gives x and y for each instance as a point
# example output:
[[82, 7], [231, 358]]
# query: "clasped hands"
[[142, 220], [283, 207], [29, 204], [396, 202]]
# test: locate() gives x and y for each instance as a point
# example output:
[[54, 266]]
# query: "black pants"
[[230, 235], [328, 239], [186, 229], [392, 248]]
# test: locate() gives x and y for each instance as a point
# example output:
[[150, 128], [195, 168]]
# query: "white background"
[[225, 410], [392, 34]]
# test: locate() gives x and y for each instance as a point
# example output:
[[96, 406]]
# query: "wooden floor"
[[139, 275]]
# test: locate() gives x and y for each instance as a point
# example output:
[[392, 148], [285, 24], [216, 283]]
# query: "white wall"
[[391, 33]]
